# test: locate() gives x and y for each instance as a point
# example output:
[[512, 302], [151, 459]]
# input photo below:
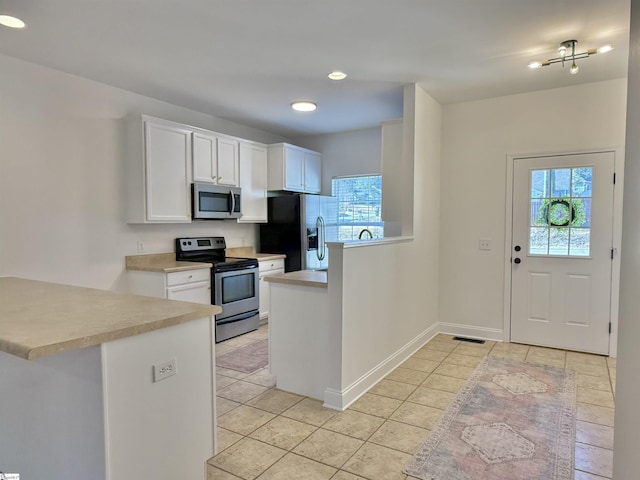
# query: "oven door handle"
[[236, 318]]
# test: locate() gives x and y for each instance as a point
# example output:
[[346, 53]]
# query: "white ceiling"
[[247, 60]]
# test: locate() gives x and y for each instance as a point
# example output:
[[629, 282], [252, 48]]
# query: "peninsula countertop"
[[306, 278], [38, 319]]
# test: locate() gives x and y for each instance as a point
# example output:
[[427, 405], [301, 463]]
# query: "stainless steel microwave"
[[215, 202]]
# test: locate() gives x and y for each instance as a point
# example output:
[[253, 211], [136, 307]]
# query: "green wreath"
[[561, 212]]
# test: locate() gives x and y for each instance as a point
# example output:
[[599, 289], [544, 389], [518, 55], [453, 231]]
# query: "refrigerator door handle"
[[321, 240], [319, 233]]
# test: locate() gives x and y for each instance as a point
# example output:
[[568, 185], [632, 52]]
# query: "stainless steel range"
[[234, 284]]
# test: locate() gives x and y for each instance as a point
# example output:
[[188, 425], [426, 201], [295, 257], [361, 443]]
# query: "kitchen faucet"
[[365, 230]]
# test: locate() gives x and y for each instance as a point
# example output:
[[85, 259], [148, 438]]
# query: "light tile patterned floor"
[[268, 434]]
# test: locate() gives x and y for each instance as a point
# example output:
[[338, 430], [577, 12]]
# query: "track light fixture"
[[567, 52]]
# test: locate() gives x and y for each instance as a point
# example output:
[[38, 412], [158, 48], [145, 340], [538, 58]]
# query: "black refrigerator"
[[300, 225]]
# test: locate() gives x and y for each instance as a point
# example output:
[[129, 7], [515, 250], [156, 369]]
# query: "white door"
[[561, 251]]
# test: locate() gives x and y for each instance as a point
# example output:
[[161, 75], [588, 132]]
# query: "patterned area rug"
[[246, 359], [511, 420]]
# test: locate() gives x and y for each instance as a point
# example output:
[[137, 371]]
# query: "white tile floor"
[[267, 434]]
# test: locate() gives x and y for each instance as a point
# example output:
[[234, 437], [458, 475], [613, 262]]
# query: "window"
[[560, 206], [359, 206]]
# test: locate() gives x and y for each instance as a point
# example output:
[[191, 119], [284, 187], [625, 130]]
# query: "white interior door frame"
[[617, 237]]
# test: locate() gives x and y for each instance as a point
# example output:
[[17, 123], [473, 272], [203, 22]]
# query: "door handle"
[[516, 260], [517, 248], [233, 202]]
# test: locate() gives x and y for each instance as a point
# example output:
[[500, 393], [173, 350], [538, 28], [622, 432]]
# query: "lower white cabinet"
[[266, 268], [187, 286]]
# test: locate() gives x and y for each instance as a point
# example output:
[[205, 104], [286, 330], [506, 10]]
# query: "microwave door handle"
[[233, 202]]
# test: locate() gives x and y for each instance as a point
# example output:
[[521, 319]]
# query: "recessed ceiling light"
[[337, 75], [12, 22], [304, 106]]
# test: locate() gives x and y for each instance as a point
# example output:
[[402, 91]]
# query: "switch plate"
[[164, 370], [140, 246], [484, 244]]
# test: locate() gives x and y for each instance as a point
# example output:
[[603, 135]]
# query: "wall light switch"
[[485, 244], [164, 370]]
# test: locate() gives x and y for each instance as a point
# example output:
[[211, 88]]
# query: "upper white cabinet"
[[312, 172], [158, 172], [294, 168], [205, 158], [165, 157], [215, 159], [228, 162], [253, 181]]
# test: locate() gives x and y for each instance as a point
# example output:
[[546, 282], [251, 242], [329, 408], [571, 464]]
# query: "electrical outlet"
[[140, 246], [484, 244], [164, 370]]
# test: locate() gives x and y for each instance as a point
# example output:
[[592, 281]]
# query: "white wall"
[[390, 292], [626, 461], [61, 185], [355, 152], [477, 137]]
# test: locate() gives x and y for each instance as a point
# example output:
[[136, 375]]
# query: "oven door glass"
[[236, 291], [238, 287]]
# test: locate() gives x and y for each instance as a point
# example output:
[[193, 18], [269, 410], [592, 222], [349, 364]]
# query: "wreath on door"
[[561, 212]]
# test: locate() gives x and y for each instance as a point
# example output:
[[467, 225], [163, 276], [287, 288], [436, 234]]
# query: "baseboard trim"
[[482, 333], [341, 399]]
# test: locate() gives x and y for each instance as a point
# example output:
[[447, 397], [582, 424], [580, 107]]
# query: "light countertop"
[[308, 278], [263, 257], [161, 262], [166, 262], [38, 319], [250, 252]]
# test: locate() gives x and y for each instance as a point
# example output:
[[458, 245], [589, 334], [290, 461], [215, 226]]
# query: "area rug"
[[246, 359], [510, 421]]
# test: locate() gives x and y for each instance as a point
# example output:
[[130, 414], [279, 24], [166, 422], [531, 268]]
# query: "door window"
[[560, 212]]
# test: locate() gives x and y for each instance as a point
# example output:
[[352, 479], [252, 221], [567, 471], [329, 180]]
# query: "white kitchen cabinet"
[[215, 159], [228, 162], [205, 158], [267, 268], [158, 171], [253, 181], [312, 172], [188, 285], [294, 169]]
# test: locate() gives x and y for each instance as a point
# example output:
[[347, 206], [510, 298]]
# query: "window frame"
[[373, 223]]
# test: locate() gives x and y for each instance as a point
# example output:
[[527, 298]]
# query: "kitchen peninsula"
[[335, 334], [100, 385]]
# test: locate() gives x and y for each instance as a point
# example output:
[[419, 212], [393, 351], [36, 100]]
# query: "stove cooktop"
[[210, 250]]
